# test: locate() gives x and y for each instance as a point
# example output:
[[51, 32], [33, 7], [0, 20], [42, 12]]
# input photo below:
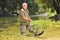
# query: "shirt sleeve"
[[21, 13]]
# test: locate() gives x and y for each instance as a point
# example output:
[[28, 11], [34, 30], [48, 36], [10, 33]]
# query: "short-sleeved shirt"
[[24, 13]]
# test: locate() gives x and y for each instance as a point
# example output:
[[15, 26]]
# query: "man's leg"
[[22, 28], [30, 28]]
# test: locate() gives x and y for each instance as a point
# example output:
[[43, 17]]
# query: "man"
[[25, 20]]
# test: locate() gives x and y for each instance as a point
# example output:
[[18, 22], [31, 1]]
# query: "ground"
[[51, 31]]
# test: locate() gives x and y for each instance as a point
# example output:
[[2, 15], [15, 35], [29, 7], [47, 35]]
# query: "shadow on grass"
[[29, 35]]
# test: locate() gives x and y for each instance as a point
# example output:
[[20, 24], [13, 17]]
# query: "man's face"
[[24, 6]]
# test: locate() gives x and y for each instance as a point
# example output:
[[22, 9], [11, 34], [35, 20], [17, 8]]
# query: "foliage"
[[53, 4]]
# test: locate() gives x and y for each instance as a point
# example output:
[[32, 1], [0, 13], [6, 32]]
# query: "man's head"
[[24, 5]]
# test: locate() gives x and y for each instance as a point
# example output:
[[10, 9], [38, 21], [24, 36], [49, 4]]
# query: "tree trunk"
[[58, 13], [57, 8]]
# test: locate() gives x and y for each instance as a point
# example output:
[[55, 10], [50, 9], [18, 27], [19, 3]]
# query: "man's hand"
[[29, 20]]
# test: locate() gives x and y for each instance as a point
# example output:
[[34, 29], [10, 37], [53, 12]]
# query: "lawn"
[[11, 31]]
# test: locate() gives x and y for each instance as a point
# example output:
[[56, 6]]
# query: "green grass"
[[52, 30]]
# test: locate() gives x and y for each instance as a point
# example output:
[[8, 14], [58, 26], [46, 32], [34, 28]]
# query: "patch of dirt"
[[56, 38]]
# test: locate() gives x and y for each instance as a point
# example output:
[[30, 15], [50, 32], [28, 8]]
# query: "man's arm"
[[25, 18]]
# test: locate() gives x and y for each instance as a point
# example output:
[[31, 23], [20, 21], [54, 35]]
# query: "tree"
[[2, 5], [9, 6], [54, 5]]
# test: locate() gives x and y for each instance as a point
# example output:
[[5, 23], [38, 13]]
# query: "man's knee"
[[31, 31]]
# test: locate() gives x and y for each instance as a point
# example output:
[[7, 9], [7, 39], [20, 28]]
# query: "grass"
[[12, 32]]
